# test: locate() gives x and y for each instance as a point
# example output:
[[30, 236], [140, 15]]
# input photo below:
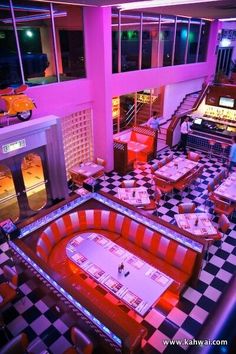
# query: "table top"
[[100, 258], [134, 196], [87, 169], [204, 226], [227, 189], [176, 169], [135, 146]]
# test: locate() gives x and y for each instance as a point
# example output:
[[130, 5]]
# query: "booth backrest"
[[157, 244]]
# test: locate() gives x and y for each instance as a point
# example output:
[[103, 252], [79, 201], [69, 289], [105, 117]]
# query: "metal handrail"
[[34, 186], [9, 197]]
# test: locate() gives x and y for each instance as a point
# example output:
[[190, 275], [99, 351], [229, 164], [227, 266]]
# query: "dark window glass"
[[204, 41], [35, 37], [193, 40], [181, 40], [10, 74], [70, 41], [150, 36], [115, 37], [167, 40], [130, 41]]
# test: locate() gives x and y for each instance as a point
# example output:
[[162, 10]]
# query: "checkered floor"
[[32, 312]]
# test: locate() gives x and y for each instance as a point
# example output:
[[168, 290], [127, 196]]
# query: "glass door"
[[24, 185]]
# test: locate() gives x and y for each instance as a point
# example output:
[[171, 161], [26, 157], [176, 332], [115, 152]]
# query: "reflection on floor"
[[46, 327], [32, 174]]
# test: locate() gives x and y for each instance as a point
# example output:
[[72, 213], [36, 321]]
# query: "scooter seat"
[[6, 91], [20, 89]]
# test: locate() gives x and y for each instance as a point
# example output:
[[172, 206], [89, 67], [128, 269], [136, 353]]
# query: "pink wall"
[[62, 98], [97, 23]]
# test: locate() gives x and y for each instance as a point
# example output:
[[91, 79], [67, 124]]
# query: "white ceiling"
[[212, 9]]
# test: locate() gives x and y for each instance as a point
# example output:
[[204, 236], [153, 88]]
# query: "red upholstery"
[[174, 258], [186, 208]]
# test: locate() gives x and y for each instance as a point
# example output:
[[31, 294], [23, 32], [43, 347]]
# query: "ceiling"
[[213, 9]]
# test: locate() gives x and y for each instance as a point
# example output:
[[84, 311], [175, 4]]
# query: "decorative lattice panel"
[[77, 134]]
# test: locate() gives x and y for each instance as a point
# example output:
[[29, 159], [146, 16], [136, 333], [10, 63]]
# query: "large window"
[[51, 44], [145, 40], [167, 40], [10, 73], [130, 32]]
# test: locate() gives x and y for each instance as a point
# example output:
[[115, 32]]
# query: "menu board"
[[117, 250], [113, 284], [136, 262], [79, 258], [95, 271], [132, 299]]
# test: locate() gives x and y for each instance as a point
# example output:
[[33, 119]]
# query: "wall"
[[231, 26]]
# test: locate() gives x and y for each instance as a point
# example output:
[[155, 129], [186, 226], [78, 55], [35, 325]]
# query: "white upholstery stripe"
[[43, 246], [147, 239], [119, 223], [179, 256], [163, 246], [89, 218], [105, 219], [61, 227], [132, 231], [50, 235], [74, 217]]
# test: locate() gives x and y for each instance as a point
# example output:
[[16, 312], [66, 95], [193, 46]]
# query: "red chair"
[[82, 343], [193, 156], [223, 207], [183, 183], [100, 162], [186, 208], [17, 345], [154, 203], [169, 158], [164, 186], [129, 183]]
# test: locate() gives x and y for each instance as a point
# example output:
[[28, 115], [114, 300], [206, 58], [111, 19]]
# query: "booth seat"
[[124, 156], [167, 255]]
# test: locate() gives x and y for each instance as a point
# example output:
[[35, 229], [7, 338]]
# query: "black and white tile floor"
[[32, 312]]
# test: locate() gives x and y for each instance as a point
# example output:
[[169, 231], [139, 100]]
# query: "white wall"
[[175, 93]]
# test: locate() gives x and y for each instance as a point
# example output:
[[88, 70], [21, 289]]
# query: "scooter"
[[16, 103]]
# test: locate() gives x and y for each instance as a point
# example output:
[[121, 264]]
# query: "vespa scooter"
[[16, 103]]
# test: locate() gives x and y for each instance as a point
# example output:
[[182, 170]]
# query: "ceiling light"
[[157, 3]]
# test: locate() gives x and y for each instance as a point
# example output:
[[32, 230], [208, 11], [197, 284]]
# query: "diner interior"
[[115, 236]]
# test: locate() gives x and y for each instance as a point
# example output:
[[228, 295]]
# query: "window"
[[193, 40], [150, 37], [10, 73], [181, 40], [204, 41], [167, 40]]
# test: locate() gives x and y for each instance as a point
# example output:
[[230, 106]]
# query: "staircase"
[[144, 113], [187, 103]]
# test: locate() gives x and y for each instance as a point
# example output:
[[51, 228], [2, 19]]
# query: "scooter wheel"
[[23, 116]]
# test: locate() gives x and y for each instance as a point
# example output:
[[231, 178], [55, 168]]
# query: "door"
[[24, 186]]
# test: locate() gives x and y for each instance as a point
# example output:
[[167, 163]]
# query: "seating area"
[[127, 233], [137, 144]]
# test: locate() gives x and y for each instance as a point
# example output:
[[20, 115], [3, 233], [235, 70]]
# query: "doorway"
[[24, 185]]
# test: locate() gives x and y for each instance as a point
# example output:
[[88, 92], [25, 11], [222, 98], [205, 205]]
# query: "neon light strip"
[[34, 17], [157, 3], [227, 19], [120, 208], [62, 291]]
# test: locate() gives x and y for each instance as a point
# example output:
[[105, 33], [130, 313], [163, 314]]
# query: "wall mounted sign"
[[16, 145], [145, 98]]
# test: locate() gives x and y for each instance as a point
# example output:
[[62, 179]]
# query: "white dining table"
[[134, 196], [176, 169], [227, 189]]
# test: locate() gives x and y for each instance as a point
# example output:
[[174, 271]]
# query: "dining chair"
[[164, 186], [223, 226], [17, 345], [82, 344], [223, 206], [8, 288], [183, 183], [154, 203], [169, 158], [186, 208], [129, 183], [193, 156], [161, 163], [102, 163]]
